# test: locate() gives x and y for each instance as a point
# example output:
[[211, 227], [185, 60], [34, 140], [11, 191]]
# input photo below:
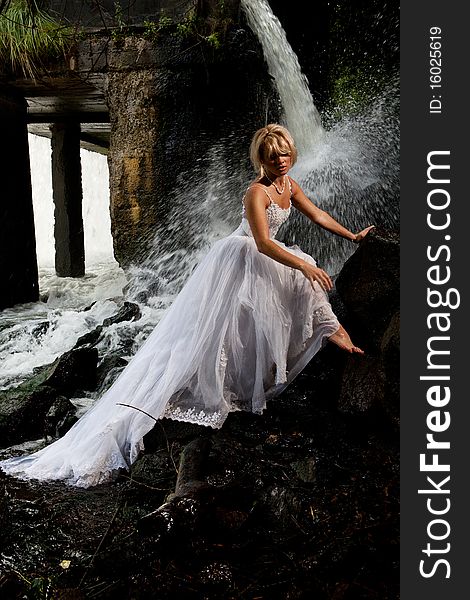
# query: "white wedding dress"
[[238, 333]]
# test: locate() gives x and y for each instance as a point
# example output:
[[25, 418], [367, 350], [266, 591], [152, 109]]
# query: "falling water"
[[96, 218], [36, 333], [350, 170], [300, 113]]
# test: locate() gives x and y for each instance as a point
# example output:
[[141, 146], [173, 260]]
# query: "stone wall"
[[169, 102], [106, 13]]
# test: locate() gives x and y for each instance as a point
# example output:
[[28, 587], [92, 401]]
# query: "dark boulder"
[[128, 312], [108, 370], [390, 356], [90, 338], [73, 371], [369, 288], [369, 285], [60, 417], [22, 412], [24, 409]]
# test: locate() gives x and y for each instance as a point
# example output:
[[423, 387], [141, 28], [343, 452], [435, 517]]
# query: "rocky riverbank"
[[299, 502]]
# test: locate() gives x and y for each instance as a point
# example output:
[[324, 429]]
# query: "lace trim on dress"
[[223, 360], [281, 374], [192, 415], [323, 314], [275, 214]]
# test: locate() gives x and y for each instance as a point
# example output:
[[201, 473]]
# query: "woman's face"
[[277, 164]]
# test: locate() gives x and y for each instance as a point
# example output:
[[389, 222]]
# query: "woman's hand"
[[362, 234], [315, 274]]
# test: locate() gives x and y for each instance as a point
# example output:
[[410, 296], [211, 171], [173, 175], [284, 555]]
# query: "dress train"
[[242, 328]]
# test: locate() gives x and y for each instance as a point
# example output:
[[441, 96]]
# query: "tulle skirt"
[[238, 333]]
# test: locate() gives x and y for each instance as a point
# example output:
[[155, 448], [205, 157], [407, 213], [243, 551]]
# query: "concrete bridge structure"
[[136, 100]]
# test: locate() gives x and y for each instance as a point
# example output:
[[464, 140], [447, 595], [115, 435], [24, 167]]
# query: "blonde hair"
[[268, 141]]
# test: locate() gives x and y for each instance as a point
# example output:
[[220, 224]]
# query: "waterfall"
[[95, 205], [300, 114], [35, 334], [350, 170]]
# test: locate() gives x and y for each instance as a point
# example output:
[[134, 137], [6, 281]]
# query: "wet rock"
[[186, 506], [4, 511], [108, 370], [217, 575], [230, 519], [128, 312], [40, 329], [23, 411], [362, 384], [282, 505], [390, 357], [305, 469], [372, 382], [151, 469], [73, 371], [191, 468], [152, 289], [369, 286], [60, 417], [180, 516], [90, 338], [71, 594], [158, 523]]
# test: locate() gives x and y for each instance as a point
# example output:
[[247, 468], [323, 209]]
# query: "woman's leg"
[[341, 338]]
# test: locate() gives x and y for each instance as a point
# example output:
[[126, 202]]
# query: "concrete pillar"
[[67, 193], [18, 265], [137, 162]]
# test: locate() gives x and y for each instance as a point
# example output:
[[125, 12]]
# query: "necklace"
[[277, 189]]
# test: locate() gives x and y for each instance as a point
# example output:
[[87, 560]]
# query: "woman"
[[250, 317]]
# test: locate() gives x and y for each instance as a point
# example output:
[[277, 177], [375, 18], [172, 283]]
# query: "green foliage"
[[353, 88], [214, 40], [153, 29], [363, 52], [188, 27], [30, 39], [191, 29], [120, 30]]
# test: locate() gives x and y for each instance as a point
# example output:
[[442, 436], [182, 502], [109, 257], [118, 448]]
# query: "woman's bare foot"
[[342, 340]]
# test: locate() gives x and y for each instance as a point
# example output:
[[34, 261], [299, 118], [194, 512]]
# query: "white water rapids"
[[35, 334]]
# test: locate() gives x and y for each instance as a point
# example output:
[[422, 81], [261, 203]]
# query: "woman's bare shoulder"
[[256, 194], [294, 185]]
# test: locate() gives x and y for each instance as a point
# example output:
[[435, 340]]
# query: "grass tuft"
[[30, 38]]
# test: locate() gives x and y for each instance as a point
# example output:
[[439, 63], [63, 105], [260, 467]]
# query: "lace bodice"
[[275, 215]]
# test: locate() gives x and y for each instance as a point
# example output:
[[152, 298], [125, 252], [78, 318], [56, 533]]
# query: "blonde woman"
[[250, 317]]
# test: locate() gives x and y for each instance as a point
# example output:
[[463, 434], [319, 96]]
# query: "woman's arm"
[[256, 203], [322, 218]]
